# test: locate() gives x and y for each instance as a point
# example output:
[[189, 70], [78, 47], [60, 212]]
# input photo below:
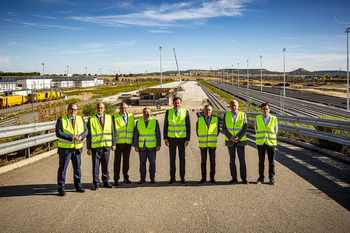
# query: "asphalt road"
[[312, 195]]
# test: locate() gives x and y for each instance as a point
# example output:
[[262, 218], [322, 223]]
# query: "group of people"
[[118, 133]]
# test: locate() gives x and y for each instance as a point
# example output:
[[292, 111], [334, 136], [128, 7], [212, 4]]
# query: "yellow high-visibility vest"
[[147, 135], [177, 124], [68, 129], [208, 137], [123, 133], [237, 126], [101, 137], [266, 134]]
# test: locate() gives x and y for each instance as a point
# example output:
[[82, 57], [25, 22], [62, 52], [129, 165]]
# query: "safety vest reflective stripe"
[[266, 134], [123, 133], [236, 127], [68, 129], [101, 137], [177, 124], [207, 137], [147, 135]]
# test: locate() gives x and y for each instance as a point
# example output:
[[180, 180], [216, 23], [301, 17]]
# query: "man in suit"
[[124, 128], [266, 128], [207, 129], [71, 131], [235, 127], [177, 133], [147, 141], [99, 144]]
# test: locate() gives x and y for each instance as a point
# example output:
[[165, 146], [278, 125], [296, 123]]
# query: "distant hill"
[[331, 72]]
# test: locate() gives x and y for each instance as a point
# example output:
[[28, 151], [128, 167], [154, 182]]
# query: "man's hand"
[[157, 148], [137, 149], [234, 139], [89, 152], [114, 148], [77, 138], [186, 144], [167, 143]]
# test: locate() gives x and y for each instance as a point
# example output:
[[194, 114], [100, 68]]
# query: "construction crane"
[[178, 70]]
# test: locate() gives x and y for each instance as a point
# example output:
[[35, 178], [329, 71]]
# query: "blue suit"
[[65, 155]]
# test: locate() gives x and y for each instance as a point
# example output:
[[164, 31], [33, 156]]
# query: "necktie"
[[101, 122], [208, 122], [176, 112], [73, 123]]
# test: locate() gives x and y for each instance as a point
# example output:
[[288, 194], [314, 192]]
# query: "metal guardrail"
[[27, 142], [334, 124]]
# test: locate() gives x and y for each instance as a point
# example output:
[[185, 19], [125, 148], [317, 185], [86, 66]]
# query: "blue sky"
[[125, 35]]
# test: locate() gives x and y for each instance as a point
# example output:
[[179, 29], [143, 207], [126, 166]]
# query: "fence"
[[26, 130], [284, 120]]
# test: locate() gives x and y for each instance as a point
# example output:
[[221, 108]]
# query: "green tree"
[[90, 109]]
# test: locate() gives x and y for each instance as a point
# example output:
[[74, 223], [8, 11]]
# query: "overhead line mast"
[[177, 65]]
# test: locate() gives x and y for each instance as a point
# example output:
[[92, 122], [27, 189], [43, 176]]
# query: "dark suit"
[[240, 145], [123, 150], [68, 154], [204, 155], [179, 143], [100, 156], [145, 152]]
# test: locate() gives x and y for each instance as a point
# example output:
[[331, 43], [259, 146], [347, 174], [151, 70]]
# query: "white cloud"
[[169, 14], [45, 25], [160, 31], [6, 60]]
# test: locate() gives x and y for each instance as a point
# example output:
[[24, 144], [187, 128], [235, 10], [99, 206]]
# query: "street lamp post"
[[233, 90], [347, 65], [67, 80], [247, 82], [238, 73], [161, 72], [284, 77], [261, 72], [43, 73]]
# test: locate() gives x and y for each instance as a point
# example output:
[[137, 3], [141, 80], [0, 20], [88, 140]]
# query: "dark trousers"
[[122, 150], [204, 155], [180, 144], [271, 157], [241, 157], [100, 156], [151, 156], [64, 157]]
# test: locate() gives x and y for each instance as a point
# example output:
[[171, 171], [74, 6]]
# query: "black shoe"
[[233, 181], [203, 180], [213, 180], [183, 181], [80, 190], [94, 187], [272, 182], [260, 181], [245, 182], [62, 193], [141, 181], [115, 184], [172, 181], [107, 185], [127, 181]]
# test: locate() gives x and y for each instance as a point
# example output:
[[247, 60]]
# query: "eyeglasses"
[[73, 109]]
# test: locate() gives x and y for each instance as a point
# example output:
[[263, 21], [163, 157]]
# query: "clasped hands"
[[234, 139]]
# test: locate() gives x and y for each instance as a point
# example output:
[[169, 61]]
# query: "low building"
[[155, 96]]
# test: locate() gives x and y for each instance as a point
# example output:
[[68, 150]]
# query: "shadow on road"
[[328, 175]]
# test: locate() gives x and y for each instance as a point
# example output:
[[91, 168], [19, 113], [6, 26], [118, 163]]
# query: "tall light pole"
[[43, 74], [82, 83], [67, 80], [161, 72], [261, 72], [284, 73], [233, 93], [247, 81], [347, 65], [238, 73]]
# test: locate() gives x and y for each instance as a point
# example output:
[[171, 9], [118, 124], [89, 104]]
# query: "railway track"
[[213, 100], [292, 106]]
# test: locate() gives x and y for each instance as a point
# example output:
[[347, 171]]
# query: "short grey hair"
[[146, 109]]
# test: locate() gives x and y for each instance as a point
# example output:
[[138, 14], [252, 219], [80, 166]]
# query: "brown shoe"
[[153, 181], [141, 181]]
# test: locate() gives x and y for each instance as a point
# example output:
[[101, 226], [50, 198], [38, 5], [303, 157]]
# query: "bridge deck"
[[312, 195]]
